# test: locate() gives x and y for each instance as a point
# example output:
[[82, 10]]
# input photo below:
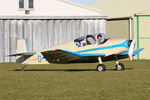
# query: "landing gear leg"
[[23, 67], [100, 66], [119, 66]]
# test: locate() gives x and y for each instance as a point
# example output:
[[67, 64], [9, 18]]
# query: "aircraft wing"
[[62, 56], [134, 52]]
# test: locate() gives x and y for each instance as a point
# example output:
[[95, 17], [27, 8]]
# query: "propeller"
[[131, 49]]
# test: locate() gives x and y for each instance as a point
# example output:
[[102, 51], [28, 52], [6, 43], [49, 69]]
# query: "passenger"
[[99, 39]]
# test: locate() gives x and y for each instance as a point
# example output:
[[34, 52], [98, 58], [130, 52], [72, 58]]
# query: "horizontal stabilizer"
[[23, 54]]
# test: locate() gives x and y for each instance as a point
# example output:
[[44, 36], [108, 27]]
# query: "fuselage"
[[110, 47]]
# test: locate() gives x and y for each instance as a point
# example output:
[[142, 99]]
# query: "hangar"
[[142, 33], [128, 19], [45, 24]]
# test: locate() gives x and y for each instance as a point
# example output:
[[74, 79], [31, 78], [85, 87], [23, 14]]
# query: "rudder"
[[22, 46]]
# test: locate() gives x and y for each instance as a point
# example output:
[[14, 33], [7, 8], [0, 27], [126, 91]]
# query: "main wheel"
[[101, 67], [119, 66]]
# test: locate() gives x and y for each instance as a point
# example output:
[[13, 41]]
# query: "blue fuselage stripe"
[[124, 44], [78, 53]]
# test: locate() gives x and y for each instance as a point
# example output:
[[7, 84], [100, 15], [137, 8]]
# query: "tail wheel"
[[119, 66], [101, 67]]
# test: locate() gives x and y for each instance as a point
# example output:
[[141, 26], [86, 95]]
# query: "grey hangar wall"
[[44, 32]]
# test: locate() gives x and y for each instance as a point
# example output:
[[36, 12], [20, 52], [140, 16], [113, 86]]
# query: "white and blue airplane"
[[89, 48]]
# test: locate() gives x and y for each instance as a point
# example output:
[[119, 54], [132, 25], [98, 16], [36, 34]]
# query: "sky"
[[83, 1]]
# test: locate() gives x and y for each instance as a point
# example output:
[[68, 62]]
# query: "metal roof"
[[121, 8], [81, 5], [53, 17], [83, 1]]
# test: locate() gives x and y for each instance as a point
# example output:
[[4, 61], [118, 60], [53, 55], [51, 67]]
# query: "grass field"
[[75, 82]]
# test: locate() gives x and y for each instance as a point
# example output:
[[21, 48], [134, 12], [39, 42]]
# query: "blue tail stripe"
[[26, 45]]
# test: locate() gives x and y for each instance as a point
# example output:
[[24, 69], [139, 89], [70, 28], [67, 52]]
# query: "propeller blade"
[[131, 49]]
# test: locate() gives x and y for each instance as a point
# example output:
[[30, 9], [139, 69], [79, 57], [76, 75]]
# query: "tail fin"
[[22, 49], [22, 46]]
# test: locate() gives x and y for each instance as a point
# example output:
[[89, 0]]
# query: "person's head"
[[99, 37]]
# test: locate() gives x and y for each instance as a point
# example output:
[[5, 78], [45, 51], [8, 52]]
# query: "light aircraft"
[[89, 48]]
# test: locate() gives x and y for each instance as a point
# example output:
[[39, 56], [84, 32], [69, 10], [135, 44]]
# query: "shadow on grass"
[[68, 70]]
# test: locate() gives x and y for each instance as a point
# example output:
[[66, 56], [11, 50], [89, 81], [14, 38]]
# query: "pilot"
[[99, 38]]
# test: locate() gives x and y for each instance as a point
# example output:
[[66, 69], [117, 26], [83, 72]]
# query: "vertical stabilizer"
[[22, 46]]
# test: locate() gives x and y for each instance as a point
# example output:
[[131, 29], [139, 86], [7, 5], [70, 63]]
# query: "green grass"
[[75, 82]]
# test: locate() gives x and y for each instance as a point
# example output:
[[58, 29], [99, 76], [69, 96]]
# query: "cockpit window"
[[90, 39]]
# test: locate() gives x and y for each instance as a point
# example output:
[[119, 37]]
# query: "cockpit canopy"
[[90, 39]]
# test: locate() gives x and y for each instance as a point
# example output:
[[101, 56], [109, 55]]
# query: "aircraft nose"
[[129, 42]]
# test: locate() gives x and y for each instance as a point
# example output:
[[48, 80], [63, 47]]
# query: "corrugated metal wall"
[[42, 34]]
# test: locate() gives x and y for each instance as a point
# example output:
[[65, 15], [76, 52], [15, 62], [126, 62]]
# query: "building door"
[[118, 28], [143, 36]]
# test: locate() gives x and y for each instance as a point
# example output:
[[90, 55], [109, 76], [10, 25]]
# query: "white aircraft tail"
[[22, 46]]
